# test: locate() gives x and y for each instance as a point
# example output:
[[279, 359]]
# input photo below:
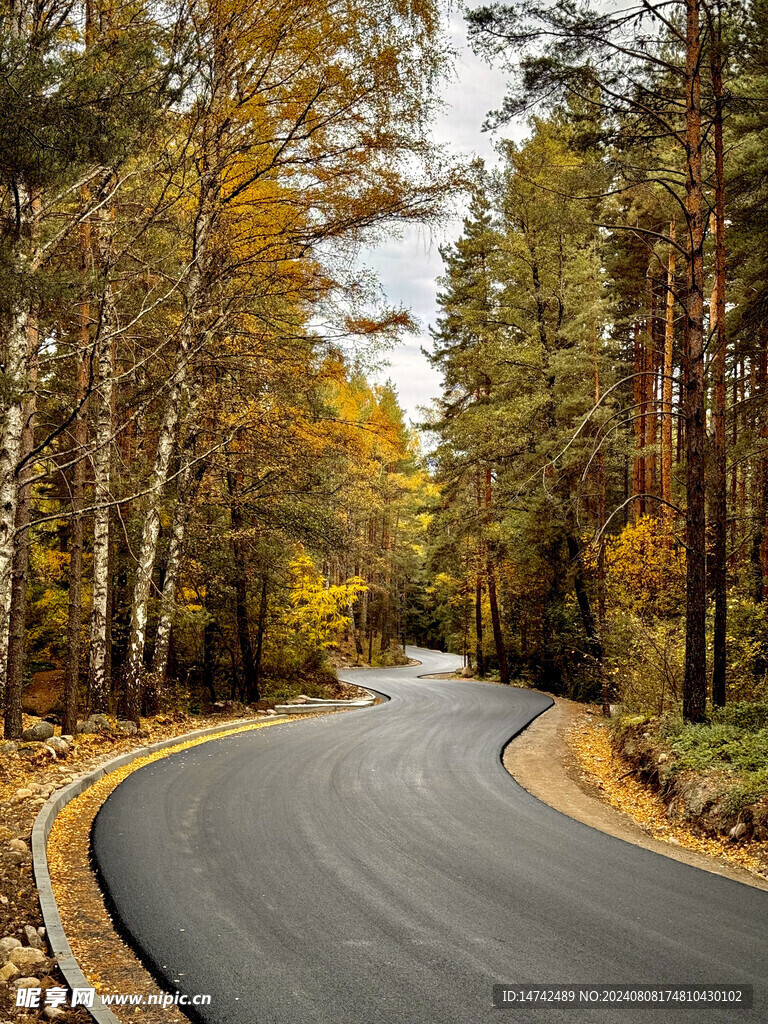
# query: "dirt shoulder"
[[565, 759]]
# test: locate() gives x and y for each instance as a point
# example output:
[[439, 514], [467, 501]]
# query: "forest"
[[202, 496], [602, 434], [198, 486]]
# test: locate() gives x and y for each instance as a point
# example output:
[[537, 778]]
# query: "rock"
[[21, 794], [7, 973], [39, 731], [19, 846], [25, 958], [53, 1013], [8, 747], [738, 830], [58, 744], [26, 983], [699, 796], [663, 758], [6, 945], [33, 939], [127, 728], [95, 723], [41, 932], [67, 738], [466, 672]]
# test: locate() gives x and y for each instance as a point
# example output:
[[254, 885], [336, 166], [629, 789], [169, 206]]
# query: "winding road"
[[381, 867]]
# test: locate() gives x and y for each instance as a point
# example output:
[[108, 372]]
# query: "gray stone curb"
[[41, 830]]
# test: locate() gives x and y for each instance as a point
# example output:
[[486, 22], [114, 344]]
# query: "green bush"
[[749, 715], [735, 741]]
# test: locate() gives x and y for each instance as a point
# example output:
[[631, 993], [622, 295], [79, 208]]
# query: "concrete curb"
[[41, 830]]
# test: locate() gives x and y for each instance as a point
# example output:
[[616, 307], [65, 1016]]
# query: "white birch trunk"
[[102, 467], [168, 601], [165, 446], [151, 531], [10, 453]]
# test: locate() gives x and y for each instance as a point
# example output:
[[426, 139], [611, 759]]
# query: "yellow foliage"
[[318, 613], [644, 573]]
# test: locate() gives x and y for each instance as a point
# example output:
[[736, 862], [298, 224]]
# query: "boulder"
[[7, 973], [58, 744], [19, 846], [26, 983], [33, 939], [738, 830], [26, 958], [39, 731], [95, 723], [466, 672], [21, 794], [6, 945], [699, 795], [126, 728]]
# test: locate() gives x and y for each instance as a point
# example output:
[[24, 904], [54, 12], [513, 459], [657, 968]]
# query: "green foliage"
[[746, 647], [740, 751], [745, 715]]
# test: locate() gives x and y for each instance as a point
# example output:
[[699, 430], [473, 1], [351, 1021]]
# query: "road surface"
[[381, 867]]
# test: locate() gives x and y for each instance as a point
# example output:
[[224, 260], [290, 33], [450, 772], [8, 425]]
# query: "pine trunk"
[[695, 681], [582, 599], [498, 635], [479, 655], [649, 381], [666, 392], [638, 422], [719, 511]]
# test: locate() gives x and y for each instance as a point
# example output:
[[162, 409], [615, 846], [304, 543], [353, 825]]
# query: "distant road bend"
[[381, 867]]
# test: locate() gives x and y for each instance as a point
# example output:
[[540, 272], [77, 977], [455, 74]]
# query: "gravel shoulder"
[[543, 761]]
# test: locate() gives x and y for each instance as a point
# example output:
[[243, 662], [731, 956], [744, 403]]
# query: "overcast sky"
[[407, 267]]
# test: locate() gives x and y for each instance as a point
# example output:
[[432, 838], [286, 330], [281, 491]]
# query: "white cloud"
[[408, 266]]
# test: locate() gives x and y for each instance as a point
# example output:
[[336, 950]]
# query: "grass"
[[735, 740]]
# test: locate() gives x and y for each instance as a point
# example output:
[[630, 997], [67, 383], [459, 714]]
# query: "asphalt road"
[[381, 867]]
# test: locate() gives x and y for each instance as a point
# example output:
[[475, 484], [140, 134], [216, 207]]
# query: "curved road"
[[381, 867]]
